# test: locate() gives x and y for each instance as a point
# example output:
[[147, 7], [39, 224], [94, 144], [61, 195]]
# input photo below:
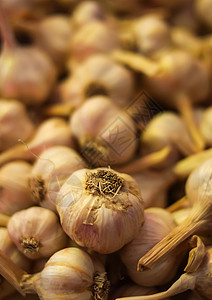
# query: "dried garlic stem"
[[184, 105], [184, 167], [59, 110], [196, 255], [149, 161], [198, 219], [184, 283], [136, 61], [180, 204], [11, 272], [4, 219]]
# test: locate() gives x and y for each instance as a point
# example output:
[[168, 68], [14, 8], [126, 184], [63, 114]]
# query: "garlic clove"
[[105, 133], [52, 132], [14, 191], [50, 172], [100, 209], [36, 232], [14, 123]]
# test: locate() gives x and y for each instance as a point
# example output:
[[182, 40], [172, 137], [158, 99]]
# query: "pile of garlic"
[[105, 149]]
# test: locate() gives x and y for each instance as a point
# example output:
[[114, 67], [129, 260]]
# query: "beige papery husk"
[[157, 224], [100, 209], [199, 280], [7, 246], [51, 132], [106, 134], [157, 196], [69, 274], [199, 193], [14, 123], [167, 81], [14, 190], [50, 171]]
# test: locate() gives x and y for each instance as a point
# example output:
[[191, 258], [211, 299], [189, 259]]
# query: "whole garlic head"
[[106, 134], [70, 274], [14, 123], [100, 209]]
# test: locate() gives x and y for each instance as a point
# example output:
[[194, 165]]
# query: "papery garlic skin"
[[157, 224], [68, 274], [98, 75], [100, 220], [36, 232], [14, 123], [49, 173], [181, 215], [14, 191], [205, 126], [105, 133], [27, 74]]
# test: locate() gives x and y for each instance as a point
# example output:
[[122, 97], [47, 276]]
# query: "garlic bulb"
[[105, 133], [159, 134], [14, 123], [203, 9], [151, 34], [206, 126], [86, 12], [199, 192], [52, 132], [132, 289], [157, 224], [12, 252], [14, 190], [49, 173], [181, 215], [123, 5], [69, 274], [36, 232], [154, 187], [100, 209], [93, 38], [200, 281], [98, 75]]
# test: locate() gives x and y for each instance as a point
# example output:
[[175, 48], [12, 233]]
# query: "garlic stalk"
[[106, 134], [69, 273], [100, 209], [168, 77], [14, 191], [185, 166], [14, 123], [36, 232], [11, 251], [157, 224], [198, 191], [52, 132], [49, 173], [200, 281]]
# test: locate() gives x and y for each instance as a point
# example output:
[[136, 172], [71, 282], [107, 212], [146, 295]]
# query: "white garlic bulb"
[[36, 232], [14, 123], [157, 224], [52, 132], [50, 171], [98, 75], [100, 209], [14, 190], [70, 274], [106, 134]]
